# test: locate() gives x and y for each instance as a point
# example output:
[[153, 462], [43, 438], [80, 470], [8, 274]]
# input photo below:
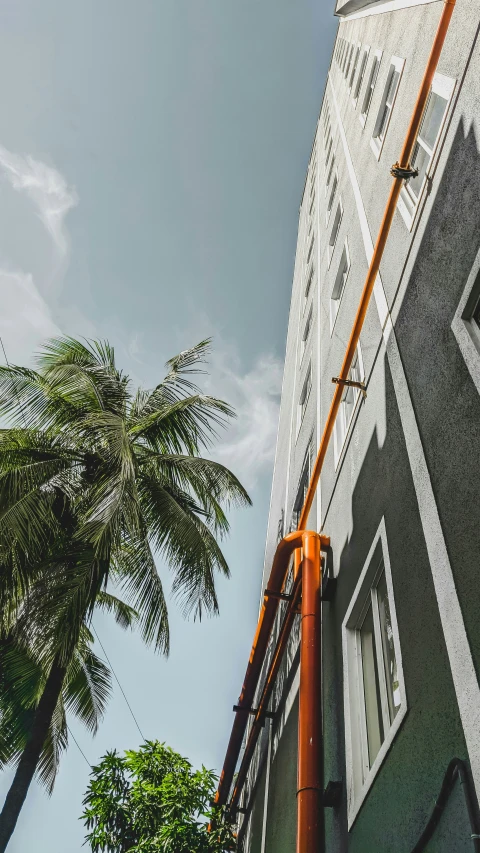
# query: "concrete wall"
[[411, 460]]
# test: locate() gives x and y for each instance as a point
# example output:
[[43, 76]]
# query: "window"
[[328, 150], [427, 140], [310, 249], [305, 394], [354, 67], [361, 75], [329, 175], [312, 204], [335, 230], [349, 62], [306, 332], [332, 195], [348, 405], [367, 100], [309, 282], [375, 702], [302, 488], [386, 106], [339, 285]]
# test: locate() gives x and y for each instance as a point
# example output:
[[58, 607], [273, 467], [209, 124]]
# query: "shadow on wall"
[[447, 408]]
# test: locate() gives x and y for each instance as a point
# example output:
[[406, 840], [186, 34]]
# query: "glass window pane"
[[388, 649], [392, 87], [432, 119], [420, 161], [371, 688]]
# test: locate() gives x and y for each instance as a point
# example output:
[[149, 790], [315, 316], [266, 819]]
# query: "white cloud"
[[25, 319], [46, 188], [248, 445]]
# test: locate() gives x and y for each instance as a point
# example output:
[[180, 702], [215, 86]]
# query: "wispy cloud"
[[47, 189], [25, 319], [248, 446]]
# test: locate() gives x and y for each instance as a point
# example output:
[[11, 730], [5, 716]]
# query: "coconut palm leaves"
[[95, 480]]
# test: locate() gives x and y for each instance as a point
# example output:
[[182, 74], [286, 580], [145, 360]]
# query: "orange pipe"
[[310, 835], [310, 828], [268, 612], [262, 704], [374, 267]]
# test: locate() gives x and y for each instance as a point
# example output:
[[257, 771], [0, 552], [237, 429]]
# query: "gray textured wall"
[[424, 273]]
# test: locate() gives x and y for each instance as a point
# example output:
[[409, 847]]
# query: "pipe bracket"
[[404, 173], [351, 383]]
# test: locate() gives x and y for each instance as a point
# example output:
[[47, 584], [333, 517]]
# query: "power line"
[[118, 682], [78, 745], [15, 390]]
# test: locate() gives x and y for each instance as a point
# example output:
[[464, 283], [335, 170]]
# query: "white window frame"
[[307, 328], [361, 75], [377, 142], [359, 777], [335, 228], [339, 286], [357, 54], [345, 57], [328, 177], [331, 197], [309, 277], [304, 397], [465, 328], [337, 446], [408, 208], [351, 54], [371, 85]]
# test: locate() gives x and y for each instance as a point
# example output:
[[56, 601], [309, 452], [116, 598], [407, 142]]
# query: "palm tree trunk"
[[31, 754]]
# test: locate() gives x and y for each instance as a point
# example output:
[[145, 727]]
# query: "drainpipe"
[[310, 807], [310, 830], [273, 594]]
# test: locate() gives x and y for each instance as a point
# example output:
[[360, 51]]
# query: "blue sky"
[[152, 160]]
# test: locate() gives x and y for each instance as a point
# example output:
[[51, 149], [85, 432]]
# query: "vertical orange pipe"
[[310, 830]]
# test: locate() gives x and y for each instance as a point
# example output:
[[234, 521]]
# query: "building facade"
[[399, 494]]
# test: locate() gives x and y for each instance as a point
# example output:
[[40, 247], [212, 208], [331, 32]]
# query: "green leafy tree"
[[94, 479], [152, 801]]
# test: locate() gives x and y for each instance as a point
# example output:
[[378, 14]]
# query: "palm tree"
[[94, 480], [85, 692]]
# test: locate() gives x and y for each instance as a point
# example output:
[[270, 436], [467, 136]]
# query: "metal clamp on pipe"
[[274, 594], [351, 383], [403, 172]]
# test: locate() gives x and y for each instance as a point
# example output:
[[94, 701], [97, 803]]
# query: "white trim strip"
[[458, 648], [460, 326], [389, 6]]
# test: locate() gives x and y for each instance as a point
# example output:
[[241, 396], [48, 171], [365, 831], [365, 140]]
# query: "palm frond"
[[125, 616], [187, 544], [87, 687], [136, 574]]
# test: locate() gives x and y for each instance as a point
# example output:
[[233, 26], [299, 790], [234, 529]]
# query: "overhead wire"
[[77, 744], [118, 682]]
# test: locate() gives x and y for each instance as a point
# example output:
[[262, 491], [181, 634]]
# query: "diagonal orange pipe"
[[404, 162], [309, 805], [268, 612]]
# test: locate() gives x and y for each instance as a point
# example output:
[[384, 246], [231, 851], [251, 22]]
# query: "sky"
[[152, 162]]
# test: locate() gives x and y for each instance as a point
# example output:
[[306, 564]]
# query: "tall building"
[[399, 493]]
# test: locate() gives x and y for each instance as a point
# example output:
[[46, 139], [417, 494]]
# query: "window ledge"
[[355, 807], [376, 146]]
